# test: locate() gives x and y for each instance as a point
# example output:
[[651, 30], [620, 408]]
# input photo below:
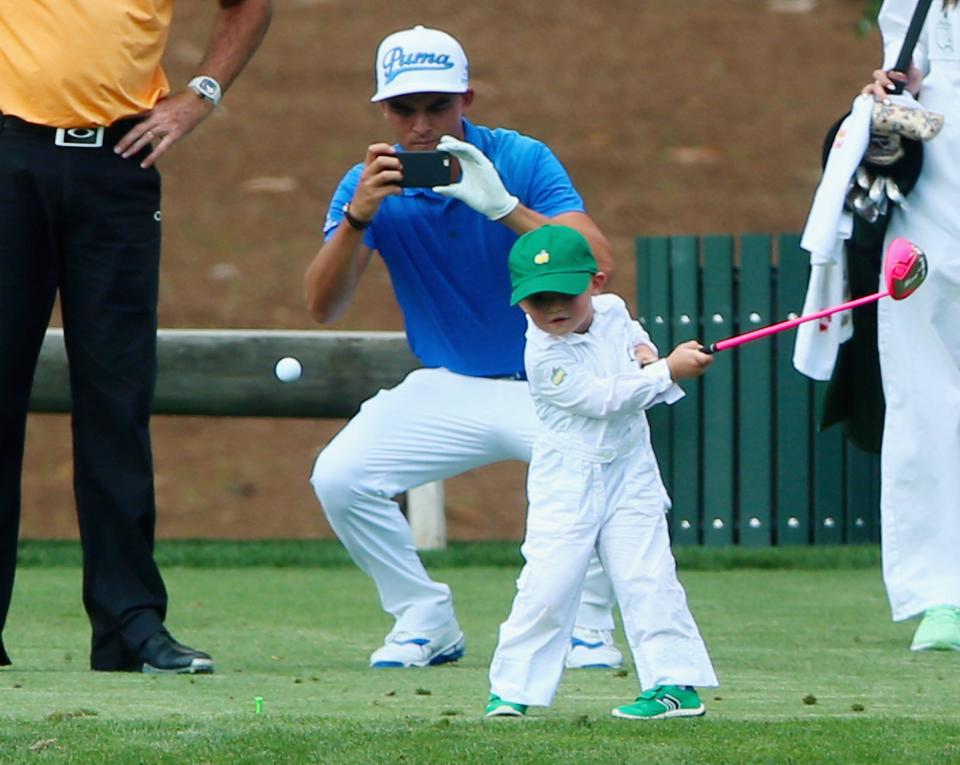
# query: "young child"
[[593, 483]]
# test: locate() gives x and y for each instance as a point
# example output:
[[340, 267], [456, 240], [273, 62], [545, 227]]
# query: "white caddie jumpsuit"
[[594, 483], [919, 342]]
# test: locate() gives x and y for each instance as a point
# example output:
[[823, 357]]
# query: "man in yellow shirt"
[[85, 111]]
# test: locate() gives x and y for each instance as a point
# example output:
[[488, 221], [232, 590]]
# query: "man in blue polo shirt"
[[446, 251]]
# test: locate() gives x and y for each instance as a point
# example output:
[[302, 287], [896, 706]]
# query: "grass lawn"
[[812, 671]]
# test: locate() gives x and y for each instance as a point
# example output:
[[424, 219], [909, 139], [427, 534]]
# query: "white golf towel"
[[828, 227]]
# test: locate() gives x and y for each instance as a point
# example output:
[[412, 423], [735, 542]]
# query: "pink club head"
[[904, 268]]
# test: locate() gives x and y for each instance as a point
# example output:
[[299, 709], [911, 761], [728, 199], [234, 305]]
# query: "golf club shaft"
[[732, 342], [910, 41]]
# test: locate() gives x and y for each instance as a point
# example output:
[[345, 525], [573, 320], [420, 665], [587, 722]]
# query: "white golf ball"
[[288, 369]]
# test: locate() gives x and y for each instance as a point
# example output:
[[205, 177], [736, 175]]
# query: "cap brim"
[[416, 88], [566, 284]]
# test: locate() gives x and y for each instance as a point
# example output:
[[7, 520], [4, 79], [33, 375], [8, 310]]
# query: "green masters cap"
[[550, 259]]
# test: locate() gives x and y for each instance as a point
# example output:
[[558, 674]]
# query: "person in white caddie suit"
[[919, 343], [446, 250], [594, 484]]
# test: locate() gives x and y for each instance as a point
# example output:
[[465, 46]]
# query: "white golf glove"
[[480, 186]]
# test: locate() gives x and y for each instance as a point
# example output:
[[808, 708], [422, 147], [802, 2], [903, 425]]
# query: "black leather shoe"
[[161, 653]]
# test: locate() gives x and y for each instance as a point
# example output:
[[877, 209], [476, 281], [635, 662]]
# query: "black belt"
[[514, 376], [68, 138]]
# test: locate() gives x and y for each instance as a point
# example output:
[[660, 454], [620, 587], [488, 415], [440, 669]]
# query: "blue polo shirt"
[[448, 263]]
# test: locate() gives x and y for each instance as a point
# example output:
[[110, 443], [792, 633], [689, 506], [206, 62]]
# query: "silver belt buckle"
[[88, 138]]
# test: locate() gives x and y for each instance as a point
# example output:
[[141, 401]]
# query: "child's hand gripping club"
[[688, 360]]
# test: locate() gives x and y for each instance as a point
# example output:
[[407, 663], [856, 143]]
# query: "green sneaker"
[[663, 701], [939, 630], [497, 707]]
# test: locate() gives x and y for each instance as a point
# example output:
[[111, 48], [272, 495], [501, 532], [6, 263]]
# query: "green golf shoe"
[[939, 630], [662, 702], [497, 707]]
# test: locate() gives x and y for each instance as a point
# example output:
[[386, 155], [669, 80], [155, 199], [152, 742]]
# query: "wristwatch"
[[207, 88], [356, 223]]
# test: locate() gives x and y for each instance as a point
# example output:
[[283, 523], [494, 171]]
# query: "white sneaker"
[[420, 649], [593, 649]]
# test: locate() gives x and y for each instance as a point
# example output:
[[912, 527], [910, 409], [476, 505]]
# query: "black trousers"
[[85, 222]]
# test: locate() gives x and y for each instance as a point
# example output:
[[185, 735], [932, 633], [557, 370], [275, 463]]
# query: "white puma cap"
[[420, 60]]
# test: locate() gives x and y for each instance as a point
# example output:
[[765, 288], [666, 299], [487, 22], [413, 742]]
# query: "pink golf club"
[[904, 269]]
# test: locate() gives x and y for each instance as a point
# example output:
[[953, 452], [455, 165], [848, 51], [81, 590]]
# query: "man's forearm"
[[237, 32], [332, 277], [522, 219]]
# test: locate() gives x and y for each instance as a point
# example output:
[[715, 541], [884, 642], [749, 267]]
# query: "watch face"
[[207, 88]]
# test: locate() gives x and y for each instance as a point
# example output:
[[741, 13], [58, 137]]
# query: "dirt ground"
[[672, 116]]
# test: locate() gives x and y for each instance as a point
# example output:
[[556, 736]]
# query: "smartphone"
[[424, 169]]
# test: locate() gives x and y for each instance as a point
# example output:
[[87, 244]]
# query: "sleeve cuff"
[[670, 392]]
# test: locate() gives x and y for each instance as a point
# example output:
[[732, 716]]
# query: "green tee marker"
[[258, 704]]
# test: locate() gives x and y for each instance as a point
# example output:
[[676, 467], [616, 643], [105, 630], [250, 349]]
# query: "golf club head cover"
[[480, 185], [914, 122]]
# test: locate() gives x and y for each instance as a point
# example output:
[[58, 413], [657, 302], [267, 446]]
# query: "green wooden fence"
[[741, 454]]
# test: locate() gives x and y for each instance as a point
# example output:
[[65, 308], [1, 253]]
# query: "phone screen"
[[424, 169]]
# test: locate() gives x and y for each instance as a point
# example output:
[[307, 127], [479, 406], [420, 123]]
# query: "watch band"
[[356, 223], [207, 88]]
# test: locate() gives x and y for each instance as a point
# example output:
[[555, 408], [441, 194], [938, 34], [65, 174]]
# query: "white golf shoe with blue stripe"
[[593, 649], [420, 649]]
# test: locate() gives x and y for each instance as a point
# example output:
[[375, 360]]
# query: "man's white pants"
[[919, 341], [433, 425], [618, 509]]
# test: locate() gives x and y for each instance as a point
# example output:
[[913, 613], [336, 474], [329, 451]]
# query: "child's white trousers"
[[615, 503]]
